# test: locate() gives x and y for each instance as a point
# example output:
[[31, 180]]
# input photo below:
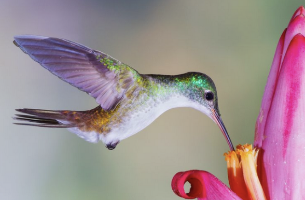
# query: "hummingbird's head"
[[201, 90]]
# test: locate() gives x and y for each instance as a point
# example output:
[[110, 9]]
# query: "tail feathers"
[[42, 118]]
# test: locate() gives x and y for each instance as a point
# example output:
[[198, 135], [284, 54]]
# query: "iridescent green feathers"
[[193, 85], [101, 76]]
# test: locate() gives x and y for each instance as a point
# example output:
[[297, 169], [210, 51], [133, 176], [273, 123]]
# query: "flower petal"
[[284, 145], [295, 26], [268, 94], [299, 11], [203, 186]]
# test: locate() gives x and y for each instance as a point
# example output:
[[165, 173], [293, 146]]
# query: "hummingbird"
[[128, 101]]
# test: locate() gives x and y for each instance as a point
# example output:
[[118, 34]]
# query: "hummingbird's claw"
[[112, 146]]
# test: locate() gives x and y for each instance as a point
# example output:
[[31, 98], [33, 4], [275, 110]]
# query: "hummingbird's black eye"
[[209, 96]]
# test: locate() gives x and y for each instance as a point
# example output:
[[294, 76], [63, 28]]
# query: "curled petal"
[[203, 186]]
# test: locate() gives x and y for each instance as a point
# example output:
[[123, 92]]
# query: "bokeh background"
[[231, 41]]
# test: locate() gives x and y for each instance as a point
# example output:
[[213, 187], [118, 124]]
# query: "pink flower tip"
[[299, 12]]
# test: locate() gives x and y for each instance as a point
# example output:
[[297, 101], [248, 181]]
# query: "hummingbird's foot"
[[112, 146]]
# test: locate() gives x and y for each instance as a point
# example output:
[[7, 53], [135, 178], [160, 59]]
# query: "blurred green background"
[[231, 41]]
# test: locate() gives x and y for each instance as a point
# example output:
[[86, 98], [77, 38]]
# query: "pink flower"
[[275, 168]]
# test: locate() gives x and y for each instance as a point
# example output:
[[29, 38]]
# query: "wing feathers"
[[89, 70]]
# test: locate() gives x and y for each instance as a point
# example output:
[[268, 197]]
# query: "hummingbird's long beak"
[[217, 119]]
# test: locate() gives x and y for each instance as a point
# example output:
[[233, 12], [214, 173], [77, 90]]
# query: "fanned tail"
[[43, 118]]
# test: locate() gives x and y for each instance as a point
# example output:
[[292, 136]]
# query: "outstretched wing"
[[101, 76]]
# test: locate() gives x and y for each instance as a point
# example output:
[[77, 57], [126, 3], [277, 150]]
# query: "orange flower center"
[[242, 174]]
